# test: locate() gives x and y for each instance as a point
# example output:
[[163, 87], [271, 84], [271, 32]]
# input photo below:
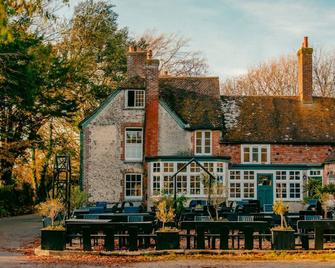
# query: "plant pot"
[[167, 240], [53, 239], [283, 239]]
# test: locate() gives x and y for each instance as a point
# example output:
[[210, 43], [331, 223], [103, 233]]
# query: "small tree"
[[327, 202], [214, 193], [50, 208], [279, 208], [164, 213]]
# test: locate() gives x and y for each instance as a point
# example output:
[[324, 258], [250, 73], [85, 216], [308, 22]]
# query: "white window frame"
[[126, 145], [133, 197], [259, 152], [242, 177], [289, 178], [135, 92], [188, 173], [202, 142]]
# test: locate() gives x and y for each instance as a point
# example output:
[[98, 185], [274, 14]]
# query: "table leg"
[[248, 239], [200, 238], [304, 239], [87, 238], [224, 236], [132, 238], [109, 239], [188, 239], [318, 238]]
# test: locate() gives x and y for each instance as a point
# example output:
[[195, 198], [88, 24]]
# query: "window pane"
[[195, 185], [255, 154], [139, 98], [156, 185], [181, 184], [133, 185], [264, 155], [133, 146], [246, 154], [131, 98]]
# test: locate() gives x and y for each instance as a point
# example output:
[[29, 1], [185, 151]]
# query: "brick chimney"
[[136, 59], [151, 106], [305, 72]]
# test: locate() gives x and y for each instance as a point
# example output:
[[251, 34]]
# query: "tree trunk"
[[33, 168], [43, 189]]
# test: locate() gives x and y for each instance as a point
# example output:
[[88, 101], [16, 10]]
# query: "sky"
[[233, 35]]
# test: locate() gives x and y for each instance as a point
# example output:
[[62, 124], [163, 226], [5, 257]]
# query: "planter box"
[[283, 239], [167, 240], [53, 239]]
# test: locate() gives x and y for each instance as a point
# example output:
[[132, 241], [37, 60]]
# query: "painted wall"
[[104, 168], [172, 139]]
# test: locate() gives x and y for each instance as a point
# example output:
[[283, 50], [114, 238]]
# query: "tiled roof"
[[268, 119], [194, 100], [249, 119], [133, 82]]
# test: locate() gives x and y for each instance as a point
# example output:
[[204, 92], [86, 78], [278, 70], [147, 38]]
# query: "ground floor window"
[[133, 185], [189, 181], [242, 184], [289, 184]]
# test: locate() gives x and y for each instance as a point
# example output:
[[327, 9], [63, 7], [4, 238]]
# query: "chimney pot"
[[149, 54], [305, 41]]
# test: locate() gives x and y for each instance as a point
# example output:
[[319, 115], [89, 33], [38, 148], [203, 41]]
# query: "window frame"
[[251, 148], [133, 197], [127, 159], [127, 98], [288, 179], [203, 142]]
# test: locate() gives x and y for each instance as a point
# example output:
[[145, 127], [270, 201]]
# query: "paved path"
[[207, 263], [15, 233]]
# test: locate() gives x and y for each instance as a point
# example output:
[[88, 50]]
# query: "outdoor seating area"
[[242, 225]]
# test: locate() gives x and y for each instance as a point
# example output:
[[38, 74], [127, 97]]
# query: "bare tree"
[[324, 73], [174, 55], [279, 77], [275, 77]]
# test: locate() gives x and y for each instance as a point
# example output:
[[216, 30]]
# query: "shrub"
[[164, 213], [50, 208], [78, 198]]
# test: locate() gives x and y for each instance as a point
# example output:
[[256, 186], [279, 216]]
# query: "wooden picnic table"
[[222, 228], [109, 228], [319, 227]]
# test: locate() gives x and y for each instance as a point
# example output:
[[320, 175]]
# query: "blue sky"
[[233, 35]]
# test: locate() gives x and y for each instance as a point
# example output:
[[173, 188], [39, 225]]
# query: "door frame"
[[272, 185]]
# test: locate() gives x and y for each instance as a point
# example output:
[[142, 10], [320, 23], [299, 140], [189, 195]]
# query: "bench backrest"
[[245, 218], [135, 218]]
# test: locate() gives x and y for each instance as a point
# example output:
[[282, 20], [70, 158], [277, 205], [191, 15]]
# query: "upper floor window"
[[255, 154], [203, 142], [135, 98], [134, 144]]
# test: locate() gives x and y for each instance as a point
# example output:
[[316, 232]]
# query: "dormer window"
[[203, 142], [135, 98], [254, 153]]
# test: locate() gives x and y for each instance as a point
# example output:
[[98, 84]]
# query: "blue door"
[[265, 189]]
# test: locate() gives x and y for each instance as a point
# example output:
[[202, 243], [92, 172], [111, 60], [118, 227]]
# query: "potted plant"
[[53, 237], [283, 235], [167, 237]]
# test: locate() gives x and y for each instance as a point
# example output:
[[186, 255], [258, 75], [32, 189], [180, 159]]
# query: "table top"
[[323, 224]]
